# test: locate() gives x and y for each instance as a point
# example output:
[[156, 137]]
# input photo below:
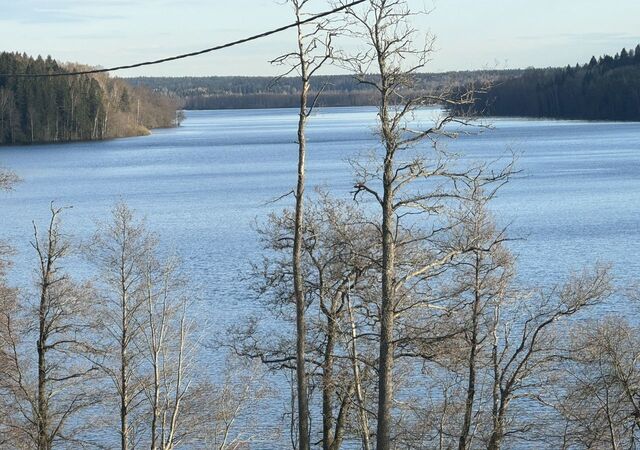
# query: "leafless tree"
[[149, 344], [600, 389], [48, 391], [117, 249], [337, 262], [524, 346], [385, 27], [233, 419], [313, 51], [482, 278], [167, 347]]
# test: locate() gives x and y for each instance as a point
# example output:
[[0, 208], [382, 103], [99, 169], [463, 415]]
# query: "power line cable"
[[188, 55]]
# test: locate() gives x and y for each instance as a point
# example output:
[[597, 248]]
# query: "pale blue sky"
[[471, 34]]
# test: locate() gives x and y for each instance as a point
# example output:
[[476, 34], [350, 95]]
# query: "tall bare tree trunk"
[[43, 412], [298, 282], [385, 374], [328, 383]]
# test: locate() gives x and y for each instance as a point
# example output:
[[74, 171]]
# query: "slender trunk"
[[301, 376], [328, 384], [124, 360], [124, 393], [43, 413], [179, 389], [155, 409], [464, 443], [46, 263], [31, 123], [362, 413], [497, 434], [385, 377], [610, 425], [94, 133], [494, 441]]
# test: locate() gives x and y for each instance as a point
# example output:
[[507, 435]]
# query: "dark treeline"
[[55, 109], [269, 92], [607, 88]]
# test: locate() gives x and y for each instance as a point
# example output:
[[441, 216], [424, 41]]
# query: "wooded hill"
[[607, 88], [269, 92], [71, 108]]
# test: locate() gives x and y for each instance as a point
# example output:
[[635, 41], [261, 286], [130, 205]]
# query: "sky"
[[470, 34]]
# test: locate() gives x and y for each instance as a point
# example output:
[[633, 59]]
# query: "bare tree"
[[117, 250], [385, 27], [523, 345], [46, 405], [147, 331], [337, 265], [232, 404], [306, 61], [600, 389], [167, 347], [485, 275]]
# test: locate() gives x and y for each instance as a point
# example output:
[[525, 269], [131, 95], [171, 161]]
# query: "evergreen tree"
[[47, 109]]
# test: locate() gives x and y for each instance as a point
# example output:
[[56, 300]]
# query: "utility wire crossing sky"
[[195, 53], [470, 34]]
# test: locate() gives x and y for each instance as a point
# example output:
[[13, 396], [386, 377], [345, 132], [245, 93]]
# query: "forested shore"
[[237, 92], [605, 88], [74, 108]]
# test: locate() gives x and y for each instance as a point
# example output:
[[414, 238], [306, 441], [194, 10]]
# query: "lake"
[[204, 185]]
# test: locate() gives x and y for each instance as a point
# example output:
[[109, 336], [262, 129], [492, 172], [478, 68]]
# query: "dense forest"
[[69, 108], [607, 88], [270, 92]]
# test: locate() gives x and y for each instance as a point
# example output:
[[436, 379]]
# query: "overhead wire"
[[190, 54]]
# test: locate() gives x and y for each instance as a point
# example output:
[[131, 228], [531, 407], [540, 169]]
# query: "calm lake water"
[[204, 185]]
